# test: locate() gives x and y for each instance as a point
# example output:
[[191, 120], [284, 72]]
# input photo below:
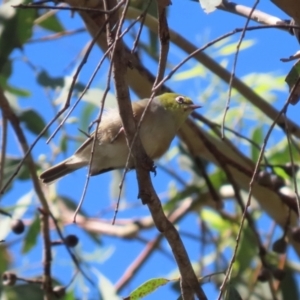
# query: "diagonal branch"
[[13, 119], [164, 37], [143, 164]]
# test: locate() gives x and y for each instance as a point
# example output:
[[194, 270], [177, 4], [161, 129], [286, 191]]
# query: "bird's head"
[[178, 105]]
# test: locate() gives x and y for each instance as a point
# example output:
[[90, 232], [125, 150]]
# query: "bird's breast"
[[157, 136]]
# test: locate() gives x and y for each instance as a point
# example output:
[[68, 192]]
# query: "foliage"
[[205, 182]]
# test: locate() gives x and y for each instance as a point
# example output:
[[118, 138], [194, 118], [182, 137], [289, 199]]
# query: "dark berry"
[[263, 178], [296, 234], [280, 246], [71, 240], [288, 169], [278, 274], [59, 291], [17, 226], [264, 275], [9, 278]]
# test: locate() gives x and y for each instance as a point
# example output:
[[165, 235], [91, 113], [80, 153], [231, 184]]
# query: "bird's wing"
[[109, 131]]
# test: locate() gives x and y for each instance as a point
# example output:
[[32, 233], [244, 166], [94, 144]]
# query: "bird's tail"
[[65, 167]]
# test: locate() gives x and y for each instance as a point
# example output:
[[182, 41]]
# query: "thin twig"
[[173, 174], [251, 184], [142, 258], [92, 77], [3, 147], [143, 165], [164, 38], [213, 125], [232, 75], [214, 67], [95, 137], [13, 119], [248, 12], [55, 36], [119, 196], [208, 183], [143, 17], [74, 9], [75, 76], [288, 136], [199, 50]]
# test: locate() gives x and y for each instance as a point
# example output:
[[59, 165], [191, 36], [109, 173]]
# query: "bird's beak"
[[194, 106]]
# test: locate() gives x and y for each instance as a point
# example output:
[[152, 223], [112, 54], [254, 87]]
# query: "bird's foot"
[[153, 169], [148, 164]]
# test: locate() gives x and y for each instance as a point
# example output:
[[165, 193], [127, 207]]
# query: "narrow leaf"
[[257, 137], [33, 121], [232, 48], [50, 22], [31, 235], [146, 288], [46, 80]]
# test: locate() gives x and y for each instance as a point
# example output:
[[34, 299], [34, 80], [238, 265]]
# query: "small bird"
[[163, 118]]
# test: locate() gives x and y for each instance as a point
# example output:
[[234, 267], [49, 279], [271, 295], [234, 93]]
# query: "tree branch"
[[143, 164], [13, 119]]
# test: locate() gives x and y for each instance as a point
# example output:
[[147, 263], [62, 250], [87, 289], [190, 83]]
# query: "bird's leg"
[[119, 132], [153, 169], [149, 165]]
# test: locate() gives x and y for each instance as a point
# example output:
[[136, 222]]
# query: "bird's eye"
[[179, 99]]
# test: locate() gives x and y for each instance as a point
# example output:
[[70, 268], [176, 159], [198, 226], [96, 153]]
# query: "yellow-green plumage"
[[162, 120]]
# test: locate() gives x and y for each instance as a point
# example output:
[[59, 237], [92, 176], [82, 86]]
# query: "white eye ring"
[[179, 99]]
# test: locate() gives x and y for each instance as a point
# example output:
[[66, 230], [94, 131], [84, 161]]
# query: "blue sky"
[[189, 20]]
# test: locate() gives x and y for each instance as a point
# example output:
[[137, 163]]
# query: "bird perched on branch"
[[159, 126]]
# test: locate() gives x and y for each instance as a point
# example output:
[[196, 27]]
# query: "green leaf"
[[86, 116], [281, 153], [94, 96], [23, 291], [197, 71], [20, 208], [13, 102], [22, 205], [33, 121], [147, 288], [50, 22], [257, 137], [48, 81], [17, 91], [5, 258], [231, 48], [191, 189], [30, 239], [153, 40], [222, 42], [106, 288], [69, 295], [246, 251], [232, 293], [265, 84], [290, 286], [63, 143], [15, 28], [5, 72], [291, 79], [214, 220], [10, 166]]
